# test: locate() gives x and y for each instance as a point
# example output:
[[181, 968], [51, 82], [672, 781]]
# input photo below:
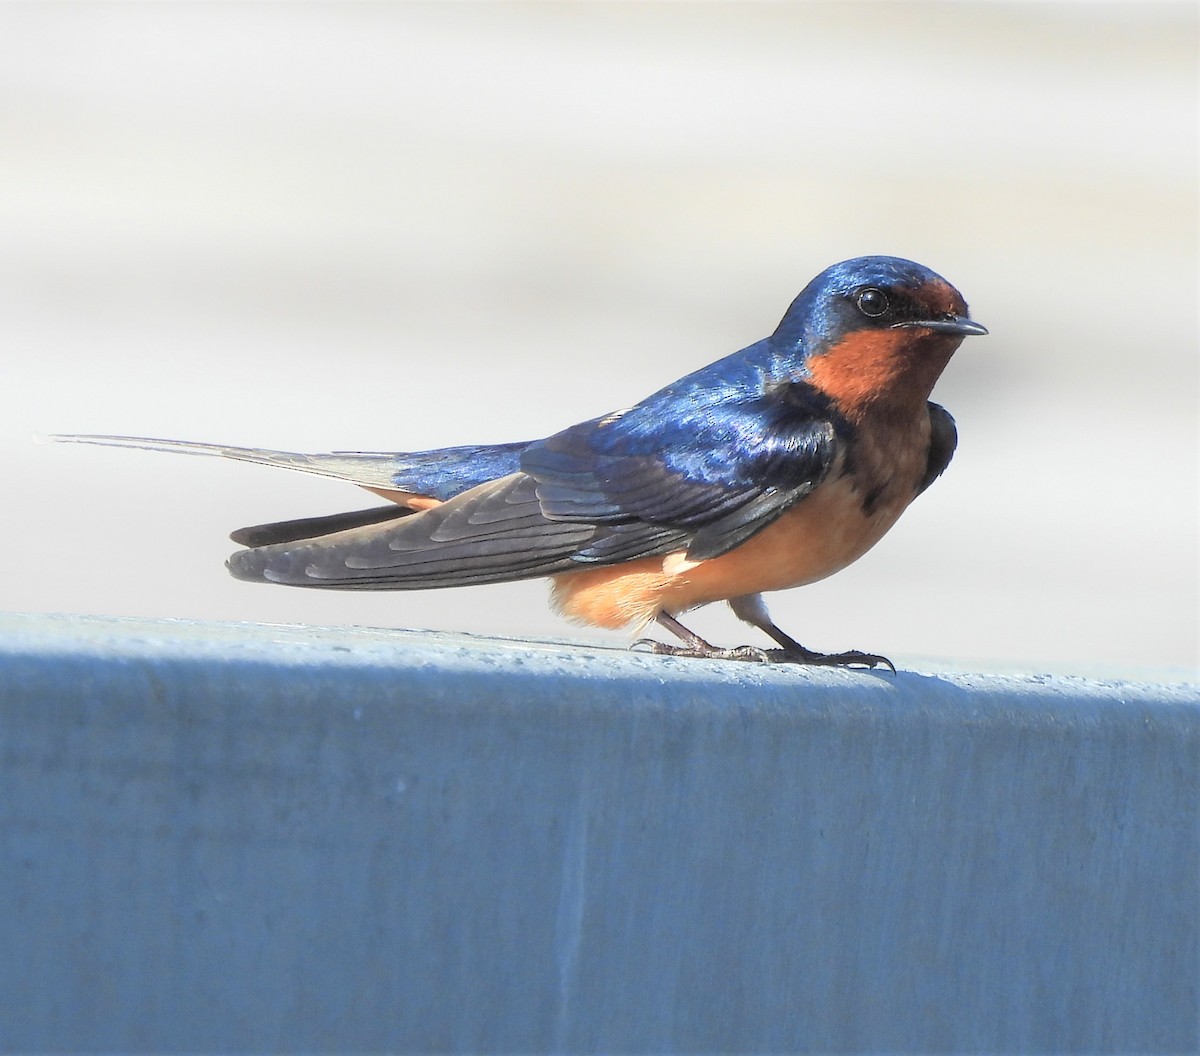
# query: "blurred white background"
[[402, 226]]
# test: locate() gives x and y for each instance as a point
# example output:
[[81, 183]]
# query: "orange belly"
[[820, 535]]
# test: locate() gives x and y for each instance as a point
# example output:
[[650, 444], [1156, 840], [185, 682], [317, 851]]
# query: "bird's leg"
[[696, 646], [752, 609]]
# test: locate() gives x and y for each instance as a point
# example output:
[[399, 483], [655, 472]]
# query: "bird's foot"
[[790, 651], [702, 650], [750, 607], [797, 654]]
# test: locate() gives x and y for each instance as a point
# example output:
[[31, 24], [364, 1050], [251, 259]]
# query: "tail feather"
[[370, 469], [439, 474], [315, 527]]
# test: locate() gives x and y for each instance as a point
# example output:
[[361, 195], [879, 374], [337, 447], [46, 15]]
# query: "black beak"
[[954, 324]]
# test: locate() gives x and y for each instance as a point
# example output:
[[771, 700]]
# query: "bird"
[[772, 468]]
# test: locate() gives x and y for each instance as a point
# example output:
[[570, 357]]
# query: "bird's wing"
[[592, 495], [438, 474], [493, 533], [720, 471]]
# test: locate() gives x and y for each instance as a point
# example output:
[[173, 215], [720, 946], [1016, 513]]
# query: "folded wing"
[[650, 482]]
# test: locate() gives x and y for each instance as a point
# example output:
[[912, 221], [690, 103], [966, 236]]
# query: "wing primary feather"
[[414, 553]]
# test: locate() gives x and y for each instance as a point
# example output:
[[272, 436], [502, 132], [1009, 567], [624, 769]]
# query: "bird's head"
[[873, 332]]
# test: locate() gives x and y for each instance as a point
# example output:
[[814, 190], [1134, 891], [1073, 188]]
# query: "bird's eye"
[[872, 302]]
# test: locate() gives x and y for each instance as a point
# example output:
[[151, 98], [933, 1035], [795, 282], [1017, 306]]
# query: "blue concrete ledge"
[[231, 838]]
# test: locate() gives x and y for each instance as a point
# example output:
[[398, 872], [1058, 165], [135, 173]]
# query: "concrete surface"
[[238, 837]]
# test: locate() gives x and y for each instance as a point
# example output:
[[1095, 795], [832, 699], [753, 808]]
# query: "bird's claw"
[[742, 652], [850, 658], [800, 655]]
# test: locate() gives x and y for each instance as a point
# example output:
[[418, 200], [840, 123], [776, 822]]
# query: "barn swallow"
[[771, 468]]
